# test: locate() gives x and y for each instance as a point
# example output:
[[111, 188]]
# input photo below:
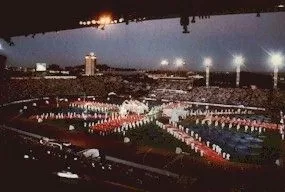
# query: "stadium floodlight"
[[238, 61], [93, 22], [121, 20], [208, 61], [276, 59], [88, 22], [208, 64], [80, 22], [104, 20], [179, 62], [164, 62]]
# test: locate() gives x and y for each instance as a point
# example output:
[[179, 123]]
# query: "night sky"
[[144, 45]]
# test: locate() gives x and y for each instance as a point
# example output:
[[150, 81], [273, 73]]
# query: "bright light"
[[276, 59], [41, 66], [68, 175], [93, 22], [1, 48], [121, 20], [281, 6], [88, 22], [164, 62], [239, 60], [104, 20], [179, 62], [80, 22], [208, 61]]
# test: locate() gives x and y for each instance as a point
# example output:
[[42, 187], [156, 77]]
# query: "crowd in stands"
[[17, 89], [137, 86], [234, 96], [174, 84]]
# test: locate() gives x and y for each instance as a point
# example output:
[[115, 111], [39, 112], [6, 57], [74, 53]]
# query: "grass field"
[[153, 136], [148, 135]]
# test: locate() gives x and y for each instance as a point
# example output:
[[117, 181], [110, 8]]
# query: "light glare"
[[239, 60], [104, 20], [164, 62], [276, 59], [207, 61], [179, 62]]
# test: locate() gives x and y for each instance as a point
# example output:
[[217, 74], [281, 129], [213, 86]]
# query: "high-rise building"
[[90, 64]]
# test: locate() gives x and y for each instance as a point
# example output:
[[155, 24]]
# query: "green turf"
[[153, 136], [147, 135], [64, 124]]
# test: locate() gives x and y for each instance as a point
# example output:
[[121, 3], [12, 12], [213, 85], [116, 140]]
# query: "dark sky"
[[144, 45]]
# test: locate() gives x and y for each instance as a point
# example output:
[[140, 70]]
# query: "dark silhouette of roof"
[[30, 17]]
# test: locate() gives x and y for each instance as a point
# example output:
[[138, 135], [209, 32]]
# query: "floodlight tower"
[[276, 59], [208, 64], [179, 62], [164, 62], [238, 61]]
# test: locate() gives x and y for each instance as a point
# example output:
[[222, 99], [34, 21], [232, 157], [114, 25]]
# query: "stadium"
[[201, 127], [190, 122]]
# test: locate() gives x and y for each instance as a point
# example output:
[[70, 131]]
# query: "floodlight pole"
[[238, 76], [275, 77], [207, 75]]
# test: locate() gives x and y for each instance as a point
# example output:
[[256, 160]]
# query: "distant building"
[[90, 64]]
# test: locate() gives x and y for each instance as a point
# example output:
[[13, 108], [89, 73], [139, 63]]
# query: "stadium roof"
[[30, 17]]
